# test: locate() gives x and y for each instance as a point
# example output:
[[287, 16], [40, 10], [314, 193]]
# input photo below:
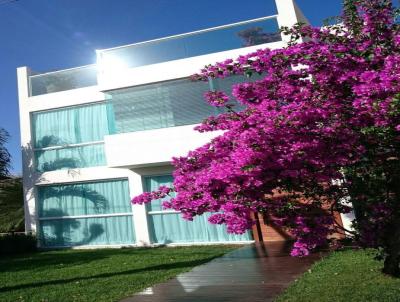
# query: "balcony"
[[227, 37], [114, 61], [62, 80]]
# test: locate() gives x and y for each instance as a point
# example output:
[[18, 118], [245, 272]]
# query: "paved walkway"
[[252, 273]]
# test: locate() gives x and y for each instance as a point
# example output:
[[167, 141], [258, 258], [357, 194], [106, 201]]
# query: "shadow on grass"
[[44, 260], [177, 265]]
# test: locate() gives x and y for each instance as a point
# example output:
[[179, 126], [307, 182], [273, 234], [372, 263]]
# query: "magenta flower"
[[216, 98]]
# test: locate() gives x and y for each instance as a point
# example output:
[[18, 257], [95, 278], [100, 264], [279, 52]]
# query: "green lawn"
[[345, 276], [96, 275]]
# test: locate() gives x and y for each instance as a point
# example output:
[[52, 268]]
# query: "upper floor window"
[[166, 104], [71, 137]]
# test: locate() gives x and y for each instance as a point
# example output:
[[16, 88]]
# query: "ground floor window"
[[168, 227], [90, 213]]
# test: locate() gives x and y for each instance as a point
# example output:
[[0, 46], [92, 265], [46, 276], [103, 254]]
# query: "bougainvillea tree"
[[321, 128]]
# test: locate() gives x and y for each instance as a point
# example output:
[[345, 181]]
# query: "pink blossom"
[[216, 98]]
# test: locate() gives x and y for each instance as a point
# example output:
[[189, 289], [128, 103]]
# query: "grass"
[[345, 276], [96, 275]]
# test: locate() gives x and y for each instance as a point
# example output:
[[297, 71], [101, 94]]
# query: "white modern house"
[[95, 136]]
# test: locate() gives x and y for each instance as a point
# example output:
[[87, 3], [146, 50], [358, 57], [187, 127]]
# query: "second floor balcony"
[[61, 80], [114, 61], [213, 40]]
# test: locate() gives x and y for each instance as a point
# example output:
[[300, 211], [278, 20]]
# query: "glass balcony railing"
[[227, 37], [63, 80], [222, 38]]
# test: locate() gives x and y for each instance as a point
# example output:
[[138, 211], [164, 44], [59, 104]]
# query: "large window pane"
[[167, 104], [70, 158], [72, 125], [65, 128], [172, 228], [84, 199], [63, 211], [87, 231], [161, 105]]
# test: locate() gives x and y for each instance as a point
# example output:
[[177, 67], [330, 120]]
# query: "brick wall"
[[266, 231]]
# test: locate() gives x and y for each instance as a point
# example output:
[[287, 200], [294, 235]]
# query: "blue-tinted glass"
[[172, 228], [152, 183], [63, 80], [70, 125], [167, 104], [105, 197], [87, 231], [70, 158], [63, 206], [185, 46]]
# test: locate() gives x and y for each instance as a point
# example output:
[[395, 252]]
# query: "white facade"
[[129, 155]]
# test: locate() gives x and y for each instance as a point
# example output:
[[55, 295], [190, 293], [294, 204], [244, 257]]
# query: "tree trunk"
[[392, 260]]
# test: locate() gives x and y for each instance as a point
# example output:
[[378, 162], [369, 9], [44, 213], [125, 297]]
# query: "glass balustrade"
[[63, 80], [233, 36], [222, 38]]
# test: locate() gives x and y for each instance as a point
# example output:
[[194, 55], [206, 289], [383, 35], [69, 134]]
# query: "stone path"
[[252, 273]]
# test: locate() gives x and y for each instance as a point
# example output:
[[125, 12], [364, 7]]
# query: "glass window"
[[63, 137], [92, 213], [166, 227], [167, 104]]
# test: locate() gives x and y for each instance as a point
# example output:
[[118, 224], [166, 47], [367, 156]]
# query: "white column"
[[139, 211], [289, 14], [28, 171]]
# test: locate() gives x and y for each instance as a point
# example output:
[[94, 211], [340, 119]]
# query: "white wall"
[[152, 147]]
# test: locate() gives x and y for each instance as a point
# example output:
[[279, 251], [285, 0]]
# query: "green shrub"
[[11, 205], [17, 243]]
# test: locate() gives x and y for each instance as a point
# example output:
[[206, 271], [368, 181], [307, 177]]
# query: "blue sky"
[[57, 34]]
